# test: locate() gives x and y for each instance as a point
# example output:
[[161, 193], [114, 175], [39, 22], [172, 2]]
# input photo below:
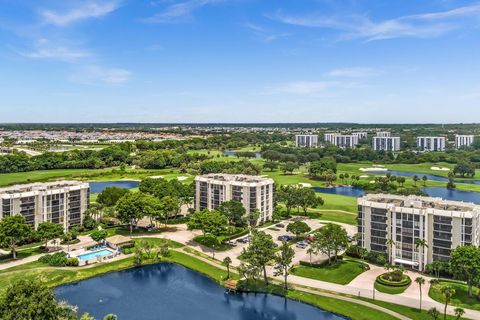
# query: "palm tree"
[[415, 180], [420, 281], [421, 243], [390, 244], [226, 262], [459, 312], [434, 313], [448, 292], [424, 178]]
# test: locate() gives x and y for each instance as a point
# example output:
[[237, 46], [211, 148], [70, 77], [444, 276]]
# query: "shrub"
[[377, 258], [72, 262], [356, 251], [58, 259], [385, 280]]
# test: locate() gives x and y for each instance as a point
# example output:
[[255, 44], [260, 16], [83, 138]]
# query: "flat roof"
[[225, 177], [42, 186]]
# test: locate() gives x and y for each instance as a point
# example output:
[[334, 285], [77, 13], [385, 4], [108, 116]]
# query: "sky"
[[204, 61]]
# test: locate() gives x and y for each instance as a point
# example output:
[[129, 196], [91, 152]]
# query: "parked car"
[[302, 245], [243, 240], [150, 227], [285, 237], [309, 238], [232, 243], [280, 225]]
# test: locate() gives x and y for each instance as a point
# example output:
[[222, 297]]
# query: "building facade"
[[386, 144], [342, 140], [463, 140], [62, 202], [383, 134], [360, 134], [254, 192], [306, 140], [431, 143], [394, 225]]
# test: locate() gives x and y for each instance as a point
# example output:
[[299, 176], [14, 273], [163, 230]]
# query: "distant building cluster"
[[382, 141], [254, 192], [62, 202], [396, 225]]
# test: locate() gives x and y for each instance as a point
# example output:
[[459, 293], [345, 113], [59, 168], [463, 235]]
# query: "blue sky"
[[367, 61]]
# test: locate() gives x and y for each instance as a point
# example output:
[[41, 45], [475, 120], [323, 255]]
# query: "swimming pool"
[[92, 255]]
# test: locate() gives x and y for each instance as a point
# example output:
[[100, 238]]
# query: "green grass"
[[212, 242], [21, 254], [390, 290], [342, 272], [333, 216], [460, 299]]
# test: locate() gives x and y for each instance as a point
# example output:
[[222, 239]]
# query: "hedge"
[[235, 235], [406, 281]]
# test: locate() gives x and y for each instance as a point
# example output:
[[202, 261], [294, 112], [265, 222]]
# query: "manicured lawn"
[[342, 272], [21, 254], [334, 216], [390, 290], [460, 299], [412, 313]]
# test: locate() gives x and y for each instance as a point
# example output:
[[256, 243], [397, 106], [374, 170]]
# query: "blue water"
[[420, 175], [99, 186], [457, 195], [172, 292], [344, 191], [91, 255], [258, 155]]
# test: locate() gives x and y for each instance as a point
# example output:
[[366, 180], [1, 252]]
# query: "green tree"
[[270, 165], [459, 312], [420, 281], [98, 235], [234, 211], [110, 196], [289, 167], [283, 261], [287, 195], [448, 292], [329, 240], [170, 207], [298, 228], [424, 179], [48, 231], [260, 251], [415, 180], [434, 313], [320, 167], [30, 300], [227, 262], [307, 198], [134, 206], [465, 265], [14, 230], [209, 222]]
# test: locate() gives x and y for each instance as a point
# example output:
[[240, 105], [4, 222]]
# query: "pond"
[[258, 155], [344, 191], [456, 195], [430, 177], [98, 186], [173, 292]]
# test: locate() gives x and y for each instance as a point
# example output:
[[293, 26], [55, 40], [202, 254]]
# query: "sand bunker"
[[181, 178], [305, 185], [440, 169], [156, 177], [373, 169]]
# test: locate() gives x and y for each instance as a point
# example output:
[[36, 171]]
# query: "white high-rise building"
[[62, 202], [254, 192], [431, 143], [463, 140], [386, 144], [360, 134], [342, 140], [406, 220], [383, 134], [306, 140]]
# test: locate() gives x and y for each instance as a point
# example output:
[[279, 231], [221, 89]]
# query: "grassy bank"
[[342, 272], [460, 298]]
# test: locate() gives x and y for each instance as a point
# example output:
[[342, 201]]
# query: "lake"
[[172, 292], [420, 175], [344, 191], [258, 155], [98, 186]]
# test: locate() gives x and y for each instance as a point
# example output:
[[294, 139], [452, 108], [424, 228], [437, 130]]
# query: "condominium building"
[[431, 143], [383, 134], [306, 140], [62, 202], [395, 225], [254, 192], [342, 140], [360, 135], [463, 140], [386, 144]]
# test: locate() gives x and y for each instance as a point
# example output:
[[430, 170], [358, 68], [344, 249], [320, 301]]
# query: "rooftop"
[[40, 186], [224, 177]]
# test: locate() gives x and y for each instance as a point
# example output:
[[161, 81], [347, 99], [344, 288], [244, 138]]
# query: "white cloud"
[[180, 11], [46, 50], [354, 72], [88, 9], [427, 25], [265, 34], [94, 74], [307, 87]]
